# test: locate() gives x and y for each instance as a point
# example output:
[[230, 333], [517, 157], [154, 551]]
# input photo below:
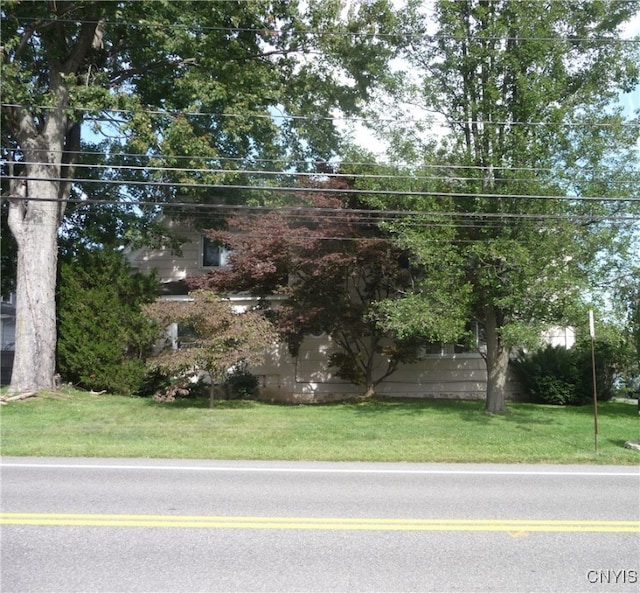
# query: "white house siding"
[[308, 378], [169, 266], [7, 325], [7, 338]]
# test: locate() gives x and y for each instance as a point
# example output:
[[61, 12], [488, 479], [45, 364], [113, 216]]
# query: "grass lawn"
[[73, 423]]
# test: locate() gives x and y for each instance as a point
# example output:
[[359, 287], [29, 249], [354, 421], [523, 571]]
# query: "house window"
[[434, 348], [474, 342], [186, 336], [180, 335], [214, 254]]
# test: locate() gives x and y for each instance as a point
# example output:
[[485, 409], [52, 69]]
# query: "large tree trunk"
[[34, 225], [36, 204], [497, 360], [49, 143]]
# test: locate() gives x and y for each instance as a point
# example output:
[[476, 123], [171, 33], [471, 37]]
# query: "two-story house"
[[445, 371]]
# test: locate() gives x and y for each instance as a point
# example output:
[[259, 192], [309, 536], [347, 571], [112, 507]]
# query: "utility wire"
[[368, 214], [293, 174], [219, 158], [320, 190], [349, 119], [273, 32]]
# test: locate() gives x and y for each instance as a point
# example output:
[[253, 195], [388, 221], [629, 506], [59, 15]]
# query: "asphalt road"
[[91, 525]]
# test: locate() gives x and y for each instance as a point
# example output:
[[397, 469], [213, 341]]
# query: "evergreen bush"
[[561, 376], [103, 335], [549, 375]]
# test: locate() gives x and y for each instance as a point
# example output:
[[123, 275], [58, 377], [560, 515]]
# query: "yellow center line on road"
[[318, 523]]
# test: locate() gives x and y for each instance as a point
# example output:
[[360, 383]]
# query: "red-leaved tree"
[[221, 338], [333, 264]]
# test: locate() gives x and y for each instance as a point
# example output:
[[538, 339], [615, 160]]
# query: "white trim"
[[177, 298]]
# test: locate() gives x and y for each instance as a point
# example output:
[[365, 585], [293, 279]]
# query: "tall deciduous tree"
[[178, 84], [634, 321], [526, 94], [628, 302]]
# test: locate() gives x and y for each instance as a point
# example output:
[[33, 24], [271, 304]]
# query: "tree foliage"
[[560, 376], [526, 97], [333, 265], [8, 254], [628, 299], [104, 336], [634, 321], [185, 93], [220, 340]]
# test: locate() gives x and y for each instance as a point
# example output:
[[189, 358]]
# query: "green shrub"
[[549, 375], [241, 384], [560, 376], [165, 388], [607, 358], [553, 390], [103, 335]]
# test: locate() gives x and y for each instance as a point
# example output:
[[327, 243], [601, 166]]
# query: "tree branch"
[[90, 35], [120, 76], [10, 398], [29, 31]]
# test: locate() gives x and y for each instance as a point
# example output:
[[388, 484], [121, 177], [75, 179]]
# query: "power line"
[[349, 119], [330, 191], [274, 32], [368, 214], [271, 173], [286, 161]]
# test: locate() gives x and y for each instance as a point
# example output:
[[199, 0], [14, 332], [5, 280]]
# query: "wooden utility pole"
[[592, 333]]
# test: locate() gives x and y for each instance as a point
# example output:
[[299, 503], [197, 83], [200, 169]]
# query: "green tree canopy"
[[188, 94], [536, 164]]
